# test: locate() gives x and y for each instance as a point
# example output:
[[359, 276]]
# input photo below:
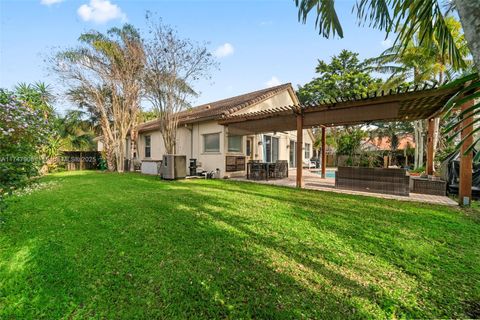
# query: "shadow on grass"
[[130, 246]]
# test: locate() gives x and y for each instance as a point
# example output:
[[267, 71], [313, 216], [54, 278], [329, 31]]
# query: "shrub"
[[24, 130]]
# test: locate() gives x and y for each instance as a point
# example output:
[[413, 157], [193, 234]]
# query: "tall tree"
[[406, 18], [343, 76], [469, 13], [417, 64], [109, 63], [426, 18], [173, 66]]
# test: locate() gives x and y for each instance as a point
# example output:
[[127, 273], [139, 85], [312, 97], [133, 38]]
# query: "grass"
[[93, 245]]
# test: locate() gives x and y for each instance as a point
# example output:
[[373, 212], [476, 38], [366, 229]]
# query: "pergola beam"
[[324, 152], [299, 150], [466, 163], [430, 146]]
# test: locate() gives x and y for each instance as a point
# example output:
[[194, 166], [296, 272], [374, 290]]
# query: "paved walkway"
[[313, 181]]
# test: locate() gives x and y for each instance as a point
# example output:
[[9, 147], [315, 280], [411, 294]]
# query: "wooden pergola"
[[408, 104]]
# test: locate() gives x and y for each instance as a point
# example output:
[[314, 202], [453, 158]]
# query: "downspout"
[[190, 128]]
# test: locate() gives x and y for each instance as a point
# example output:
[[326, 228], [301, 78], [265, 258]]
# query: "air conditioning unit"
[[174, 167]]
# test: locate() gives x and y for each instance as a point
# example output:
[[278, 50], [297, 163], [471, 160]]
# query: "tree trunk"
[[419, 143], [436, 137], [469, 13], [120, 155], [109, 151], [415, 157]]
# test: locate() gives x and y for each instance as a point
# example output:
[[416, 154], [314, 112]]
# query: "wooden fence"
[[80, 160]]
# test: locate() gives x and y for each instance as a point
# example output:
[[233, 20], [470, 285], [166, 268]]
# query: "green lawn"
[[97, 245]]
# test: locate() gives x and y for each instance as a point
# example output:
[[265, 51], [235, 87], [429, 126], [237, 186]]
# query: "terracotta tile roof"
[[218, 109], [384, 143]]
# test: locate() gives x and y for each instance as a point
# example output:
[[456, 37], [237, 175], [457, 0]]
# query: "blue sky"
[[259, 43]]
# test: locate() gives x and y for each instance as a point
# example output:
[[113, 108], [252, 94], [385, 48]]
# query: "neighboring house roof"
[[216, 110], [384, 143]]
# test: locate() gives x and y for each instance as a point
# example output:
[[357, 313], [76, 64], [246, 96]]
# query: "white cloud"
[[50, 2], [387, 43], [266, 23], [224, 50], [100, 11], [274, 81]]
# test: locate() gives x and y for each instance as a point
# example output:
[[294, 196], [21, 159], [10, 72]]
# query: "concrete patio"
[[313, 181]]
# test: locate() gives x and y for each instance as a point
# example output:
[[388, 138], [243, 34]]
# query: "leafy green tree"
[[426, 18], [25, 134], [343, 76], [349, 142], [75, 132], [393, 131]]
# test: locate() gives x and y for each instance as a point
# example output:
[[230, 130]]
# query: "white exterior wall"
[[190, 140], [284, 144], [157, 149], [281, 99], [209, 161]]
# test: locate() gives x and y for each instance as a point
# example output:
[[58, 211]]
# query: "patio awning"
[[412, 103]]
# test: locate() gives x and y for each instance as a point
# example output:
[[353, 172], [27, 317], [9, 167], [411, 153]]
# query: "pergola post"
[[324, 152], [430, 146], [299, 150], [465, 184]]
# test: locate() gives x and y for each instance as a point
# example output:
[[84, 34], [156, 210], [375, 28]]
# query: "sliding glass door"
[[293, 159], [270, 150]]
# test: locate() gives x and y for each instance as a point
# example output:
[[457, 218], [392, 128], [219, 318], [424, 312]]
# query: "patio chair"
[[307, 163], [281, 169], [257, 171]]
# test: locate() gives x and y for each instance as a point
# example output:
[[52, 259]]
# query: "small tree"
[[173, 65], [349, 142], [393, 131]]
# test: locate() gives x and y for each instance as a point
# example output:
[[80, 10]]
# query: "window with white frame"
[[148, 146], [235, 143], [307, 150], [270, 149], [211, 142]]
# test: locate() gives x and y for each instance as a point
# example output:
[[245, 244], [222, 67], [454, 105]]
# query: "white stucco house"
[[201, 137]]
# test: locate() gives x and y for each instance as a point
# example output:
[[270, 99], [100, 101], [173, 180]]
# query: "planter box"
[[426, 186]]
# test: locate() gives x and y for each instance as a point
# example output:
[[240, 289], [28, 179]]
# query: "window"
[[249, 148], [235, 143], [211, 142], [274, 149], [293, 154], [148, 146], [271, 148], [307, 150]]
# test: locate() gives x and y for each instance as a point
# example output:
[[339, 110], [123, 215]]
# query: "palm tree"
[[393, 131], [113, 61], [426, 19], [419, 64], [407, 18], [75, 131]]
